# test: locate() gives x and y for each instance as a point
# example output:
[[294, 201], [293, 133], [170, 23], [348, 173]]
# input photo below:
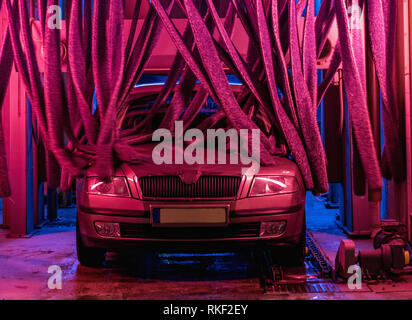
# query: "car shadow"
[[193, 266]]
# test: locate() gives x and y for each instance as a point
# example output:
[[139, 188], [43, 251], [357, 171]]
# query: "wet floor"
[[25, 262]]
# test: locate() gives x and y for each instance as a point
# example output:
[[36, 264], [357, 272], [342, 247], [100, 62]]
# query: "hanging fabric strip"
[[80, 117], [304, 103], [78, 72], [219, 81], [55, 101], [292, 137], [357, 102], [382, 26]]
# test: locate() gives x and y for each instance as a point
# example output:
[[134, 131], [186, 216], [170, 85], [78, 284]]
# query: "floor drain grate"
[[320, 287], [312, 277]]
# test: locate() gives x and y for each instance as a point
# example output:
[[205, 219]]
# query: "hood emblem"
[[190, 176]]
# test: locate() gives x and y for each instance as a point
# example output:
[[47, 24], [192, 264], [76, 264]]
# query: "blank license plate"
[[189, 216]]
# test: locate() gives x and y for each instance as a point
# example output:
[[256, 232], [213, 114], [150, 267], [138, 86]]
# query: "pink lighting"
[[157, 36]]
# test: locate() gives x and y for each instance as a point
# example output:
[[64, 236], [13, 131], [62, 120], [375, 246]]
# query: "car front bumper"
[[242, 229]]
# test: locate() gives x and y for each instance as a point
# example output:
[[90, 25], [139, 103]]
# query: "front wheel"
[[292, 256], [296, 255], [88, 256]]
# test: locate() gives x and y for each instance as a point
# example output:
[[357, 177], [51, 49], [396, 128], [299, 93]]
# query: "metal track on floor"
[[318, 257], [315, 276]]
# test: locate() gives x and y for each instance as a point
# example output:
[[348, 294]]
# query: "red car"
[[207, 205]]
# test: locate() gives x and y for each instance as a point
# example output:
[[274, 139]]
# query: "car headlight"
[[270, 185], [117, 186]]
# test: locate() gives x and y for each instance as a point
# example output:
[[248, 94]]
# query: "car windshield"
[[139, 108]]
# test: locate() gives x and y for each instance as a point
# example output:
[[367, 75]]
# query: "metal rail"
[[273, 278]]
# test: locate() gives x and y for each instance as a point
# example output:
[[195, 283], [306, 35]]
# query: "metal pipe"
[[408, 113]]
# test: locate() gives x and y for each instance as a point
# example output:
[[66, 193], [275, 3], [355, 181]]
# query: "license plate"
[[189, 216]]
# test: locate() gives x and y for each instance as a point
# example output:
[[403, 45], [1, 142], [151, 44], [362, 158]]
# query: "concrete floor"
[[24, 267]]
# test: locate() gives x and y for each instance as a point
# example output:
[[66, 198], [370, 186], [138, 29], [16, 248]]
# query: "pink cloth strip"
[[280, 91]]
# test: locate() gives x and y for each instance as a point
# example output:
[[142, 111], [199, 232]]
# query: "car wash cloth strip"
[[55, 102], [30, 74], [23, 59], [125, 82], [218, 79], [208, 73], [6, 63], [288, 97], [304, 98], [78, 72], [187, 82], [185, 90], [292, 137], [382, 26]]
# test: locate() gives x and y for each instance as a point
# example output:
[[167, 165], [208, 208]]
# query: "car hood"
[[281, 166]]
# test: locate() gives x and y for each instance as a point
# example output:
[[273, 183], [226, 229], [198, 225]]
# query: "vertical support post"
[[407, 9], [40, 203], [396, 190], [398, 198], [67, 199], [29, 166], [5, 116], [332, 113], [36, 196], [19, 207], [52, 204]]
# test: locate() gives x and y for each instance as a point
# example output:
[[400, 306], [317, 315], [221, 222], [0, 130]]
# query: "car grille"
[[206, 187], [236, 230]]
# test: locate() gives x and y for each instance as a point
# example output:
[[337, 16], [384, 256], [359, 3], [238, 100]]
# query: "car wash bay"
[[62, 94]]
